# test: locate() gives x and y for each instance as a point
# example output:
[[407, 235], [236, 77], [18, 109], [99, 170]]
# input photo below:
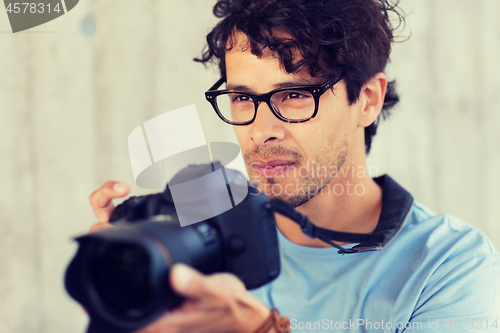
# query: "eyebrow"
[[287, 84]]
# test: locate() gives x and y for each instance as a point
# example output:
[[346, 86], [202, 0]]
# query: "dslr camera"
[[120, 275]]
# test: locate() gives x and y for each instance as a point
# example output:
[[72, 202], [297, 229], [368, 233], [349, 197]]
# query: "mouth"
[[271, 168]]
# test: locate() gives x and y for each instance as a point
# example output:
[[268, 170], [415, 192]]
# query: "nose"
[[266, 129]]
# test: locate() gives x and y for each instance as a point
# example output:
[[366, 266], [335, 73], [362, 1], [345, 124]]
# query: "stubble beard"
[[306, 184]]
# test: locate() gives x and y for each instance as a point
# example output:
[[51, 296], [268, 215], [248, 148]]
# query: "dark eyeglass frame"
[[316, 90]]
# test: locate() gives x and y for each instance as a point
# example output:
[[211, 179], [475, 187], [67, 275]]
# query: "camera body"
[[120, 274]]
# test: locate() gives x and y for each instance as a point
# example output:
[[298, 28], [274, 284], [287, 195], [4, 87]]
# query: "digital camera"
[[120, 275]]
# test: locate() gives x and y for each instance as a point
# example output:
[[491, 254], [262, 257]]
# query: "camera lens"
[[121, 275]]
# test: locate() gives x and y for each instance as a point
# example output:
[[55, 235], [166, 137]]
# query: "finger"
[[182, 322], [181, 279], [190, 283], [99, 226], [101, 199]]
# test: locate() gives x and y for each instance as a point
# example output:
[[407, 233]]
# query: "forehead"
[[261, 73], [238, 40]]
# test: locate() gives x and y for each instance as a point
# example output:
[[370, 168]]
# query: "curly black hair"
[[351, 38]]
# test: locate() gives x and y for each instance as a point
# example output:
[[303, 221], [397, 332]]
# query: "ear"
[[372, 94]]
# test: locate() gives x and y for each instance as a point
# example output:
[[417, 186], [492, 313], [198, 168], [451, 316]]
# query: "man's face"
[[289, 161]]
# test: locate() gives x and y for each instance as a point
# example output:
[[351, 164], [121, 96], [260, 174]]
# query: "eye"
[[240, 98], [294, 95]]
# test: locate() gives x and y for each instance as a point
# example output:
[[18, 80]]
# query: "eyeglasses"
[[292, 105]]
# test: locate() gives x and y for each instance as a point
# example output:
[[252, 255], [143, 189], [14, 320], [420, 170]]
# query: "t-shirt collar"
[[396, 206]]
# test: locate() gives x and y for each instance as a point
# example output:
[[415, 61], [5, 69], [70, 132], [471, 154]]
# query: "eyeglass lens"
[[290, 104]]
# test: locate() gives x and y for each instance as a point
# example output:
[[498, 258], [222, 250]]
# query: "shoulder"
[[443, 233], [458, 265], [441, 243]]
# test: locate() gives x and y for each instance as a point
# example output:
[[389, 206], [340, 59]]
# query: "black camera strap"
[[313, 231]]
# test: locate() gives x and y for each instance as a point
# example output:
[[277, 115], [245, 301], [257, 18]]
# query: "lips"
[[271, 168]]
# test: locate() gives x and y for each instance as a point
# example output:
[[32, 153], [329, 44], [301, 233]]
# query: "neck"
[[351, 202]]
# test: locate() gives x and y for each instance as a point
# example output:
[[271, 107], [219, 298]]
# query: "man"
[[304, 86]]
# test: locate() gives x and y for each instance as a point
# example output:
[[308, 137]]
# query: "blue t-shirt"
[[435, 273]]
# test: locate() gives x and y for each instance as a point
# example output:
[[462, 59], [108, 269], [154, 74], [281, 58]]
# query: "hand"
[[214, 303], [101, 202]]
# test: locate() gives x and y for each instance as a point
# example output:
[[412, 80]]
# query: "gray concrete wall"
[[70, 96]]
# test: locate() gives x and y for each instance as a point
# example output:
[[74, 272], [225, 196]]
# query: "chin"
[[293, 200], [286, 191]]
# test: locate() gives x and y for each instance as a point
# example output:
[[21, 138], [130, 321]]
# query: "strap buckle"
[[307, 227]]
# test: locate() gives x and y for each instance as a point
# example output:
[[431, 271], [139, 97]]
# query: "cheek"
[[309, 139], [323, 137]]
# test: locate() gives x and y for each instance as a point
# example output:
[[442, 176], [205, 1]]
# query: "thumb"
[[186, 281]]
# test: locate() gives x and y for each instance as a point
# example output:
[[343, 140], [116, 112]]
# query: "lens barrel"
[[121, 274]]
